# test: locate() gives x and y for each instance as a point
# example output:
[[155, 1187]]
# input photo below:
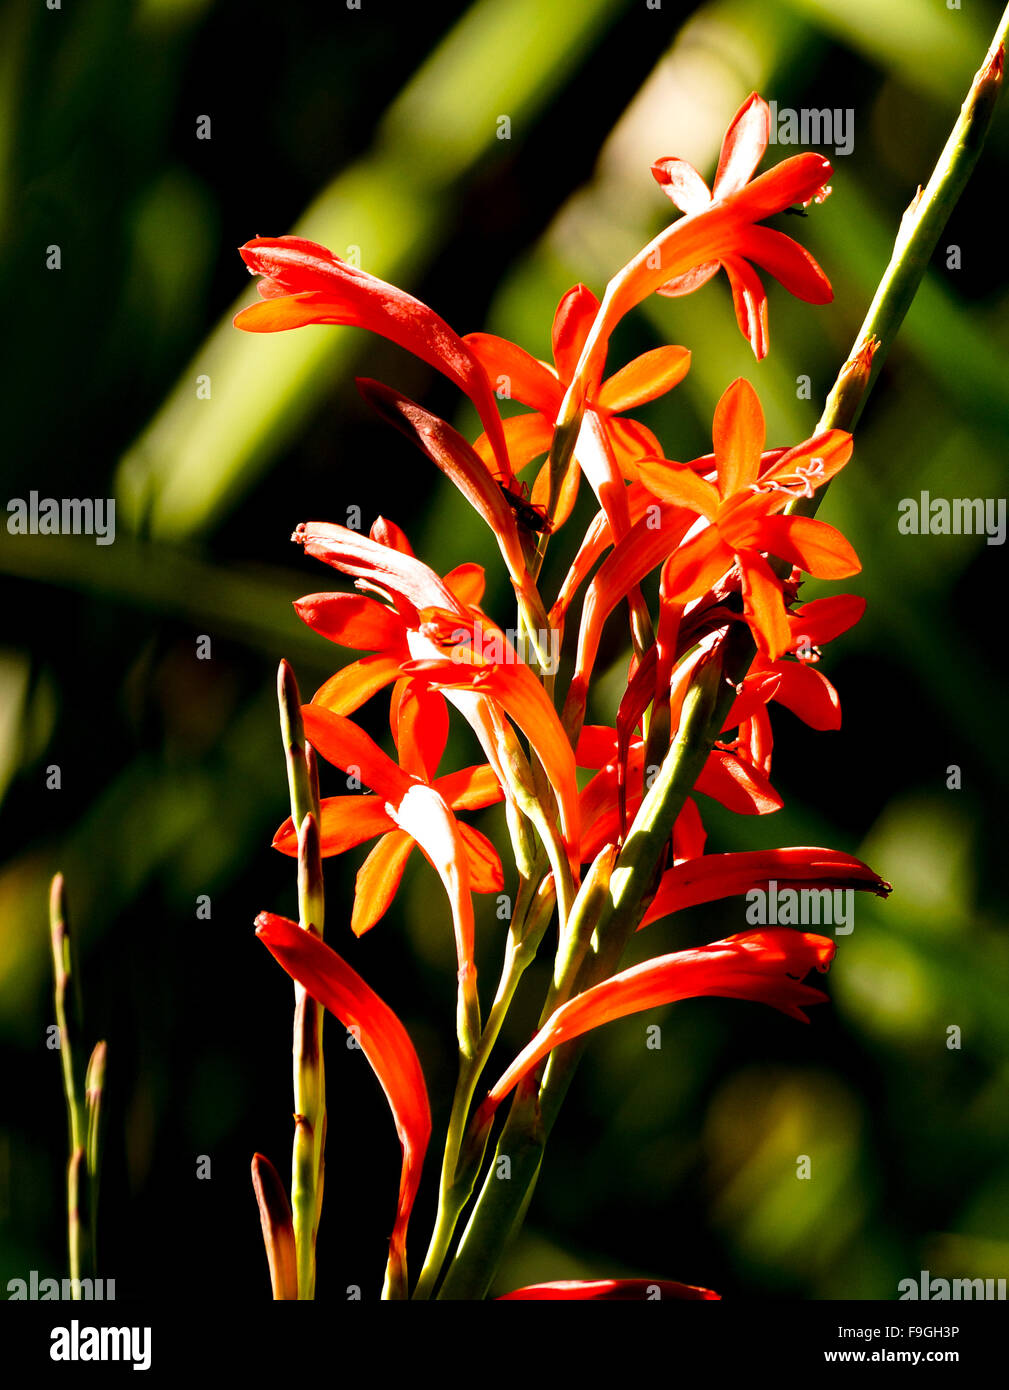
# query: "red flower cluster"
[[730, 552]]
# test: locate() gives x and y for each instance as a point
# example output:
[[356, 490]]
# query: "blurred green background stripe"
[[505, 57], [933, 49], [242, 603]]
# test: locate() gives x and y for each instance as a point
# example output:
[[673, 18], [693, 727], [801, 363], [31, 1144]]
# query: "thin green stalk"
[[83, 1092], [69, 1020], [94, 1092], [307, 1162]]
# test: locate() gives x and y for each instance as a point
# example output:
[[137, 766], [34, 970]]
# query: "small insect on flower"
[[796, 212], [530, 516]]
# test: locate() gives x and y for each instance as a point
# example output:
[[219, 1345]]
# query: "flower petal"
[[749, 300], [527, 437], [789, 263], [378, 879], [457, 460], [738, 436], [572, 320], [696, 565], [381, 565], [348, 747], [471, 788], [422, 813], [764, 604], [630, 442], [818, 622], [716, 876], [348, 690], [467, 582], [743, 147], [678, 485], [814, 546], [527, 380], [352, 620], [419, 720], [344, 822], [681, 183], [645, 379], [737, 785], [808, 694], [485, 872]]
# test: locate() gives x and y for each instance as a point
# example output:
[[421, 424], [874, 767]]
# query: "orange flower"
[[414, 806], [766, 966], [795, 684], [420, 728], [306, 283], [360, 622], [742, 150], [542, 387], [453, 646], [740, 511], [384, 1041]]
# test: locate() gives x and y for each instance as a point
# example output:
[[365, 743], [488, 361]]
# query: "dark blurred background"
[[376, 129]]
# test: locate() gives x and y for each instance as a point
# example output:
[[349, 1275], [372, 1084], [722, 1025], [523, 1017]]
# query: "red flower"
[[542, 387], [387, 1046], [420, 727], [742, 150], [412, 805], [795, 684], [609, 1290], [455, 647], [711, 877], [766, 966], [740, 510], [305, 283], [355, 620]]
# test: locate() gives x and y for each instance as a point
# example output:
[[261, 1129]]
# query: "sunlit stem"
[[94, 1090], [501, 1205], [533, 907], [307, 1161], [69, 1020]]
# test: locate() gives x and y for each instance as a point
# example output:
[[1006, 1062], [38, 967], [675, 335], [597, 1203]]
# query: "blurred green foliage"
[[384, 136]]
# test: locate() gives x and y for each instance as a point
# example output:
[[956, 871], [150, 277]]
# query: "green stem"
[[94, 1091], [69, 1020], [308, 1156], [509, 1184], [533, 908]]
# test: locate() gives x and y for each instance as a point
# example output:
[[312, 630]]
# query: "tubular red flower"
[[766, 966], [384, 1041], [306, 283], [609, 444], [741, 515], [412, 805], [419, 723], [714, 876]]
